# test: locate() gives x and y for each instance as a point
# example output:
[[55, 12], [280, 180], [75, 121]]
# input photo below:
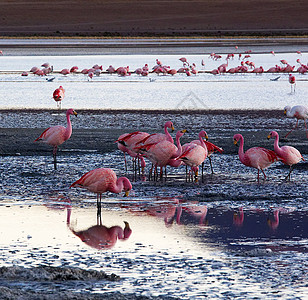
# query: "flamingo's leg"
[[54, 153], [292, 128]]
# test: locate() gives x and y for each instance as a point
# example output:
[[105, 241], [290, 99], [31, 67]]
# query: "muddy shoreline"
[[97, 130]]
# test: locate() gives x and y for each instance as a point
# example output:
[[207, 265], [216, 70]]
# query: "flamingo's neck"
[[277, 149], [178, 143], [68, 130], [168, 135], [241, 153], [117, 187]]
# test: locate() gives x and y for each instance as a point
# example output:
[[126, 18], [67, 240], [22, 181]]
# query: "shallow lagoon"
[[223, 237]]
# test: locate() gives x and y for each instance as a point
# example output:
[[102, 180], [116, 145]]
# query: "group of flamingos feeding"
[[160, 150]]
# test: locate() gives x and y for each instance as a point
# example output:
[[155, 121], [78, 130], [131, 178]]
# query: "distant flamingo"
[[45, 65], [287, 154], [103, 180], [256, 157], [194, 155], [300, 112], [111, 69], [58, 95], [65, 71], [24, 73], [74, 69], [57, 135], [292, 82]]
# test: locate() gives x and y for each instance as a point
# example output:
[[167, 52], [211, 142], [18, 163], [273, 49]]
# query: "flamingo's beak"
[[75, 113], [206, 137], [235, 142], [184, 130], [126, 194], [172, 129], [285, 112], [269, 136]]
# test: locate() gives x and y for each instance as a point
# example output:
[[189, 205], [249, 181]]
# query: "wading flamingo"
[[300, 112], [292, 82], [103, 180], [58, 95], [287, 154], [257, 157], [163, 153], [127, 142], [194, 154], [57, 135]]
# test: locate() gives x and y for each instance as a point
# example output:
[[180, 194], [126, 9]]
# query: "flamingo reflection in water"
[[238, 217], [273, 224], [100, 236]]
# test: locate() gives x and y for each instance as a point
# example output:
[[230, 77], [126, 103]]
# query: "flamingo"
[[111, 69], [292, 82], [163, 153], [24, 73], [58, 95], [65, 71], [127, 142], [103, 180], [287, 154], [300, 112], [57, 135], [257, 157], [74, 69], [194, 154]]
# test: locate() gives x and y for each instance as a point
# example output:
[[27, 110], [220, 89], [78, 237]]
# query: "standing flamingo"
[[288, 154], [57, 135], [103, 180], [58, 95], [256, 157], [292, 81], [194, 154], [300, 112], [127, 142], [163, 153]]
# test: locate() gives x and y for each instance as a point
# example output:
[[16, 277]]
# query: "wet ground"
[[225, 236]]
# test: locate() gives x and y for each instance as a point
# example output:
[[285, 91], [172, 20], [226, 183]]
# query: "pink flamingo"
[[300, 112], [287, 154], [163, 153], [111, 69], [24, 73], [193, 154], [57, 135], [58, 95], [257, 157], [34, 69], [74, 69], [292, 82], [45, 65], [103, 180], [65, 71], [84, 71], [127, 143]]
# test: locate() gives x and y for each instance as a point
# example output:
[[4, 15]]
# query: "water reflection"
[[99, 236]]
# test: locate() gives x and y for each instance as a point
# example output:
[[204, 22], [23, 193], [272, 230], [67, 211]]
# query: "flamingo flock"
[[160, 150]]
